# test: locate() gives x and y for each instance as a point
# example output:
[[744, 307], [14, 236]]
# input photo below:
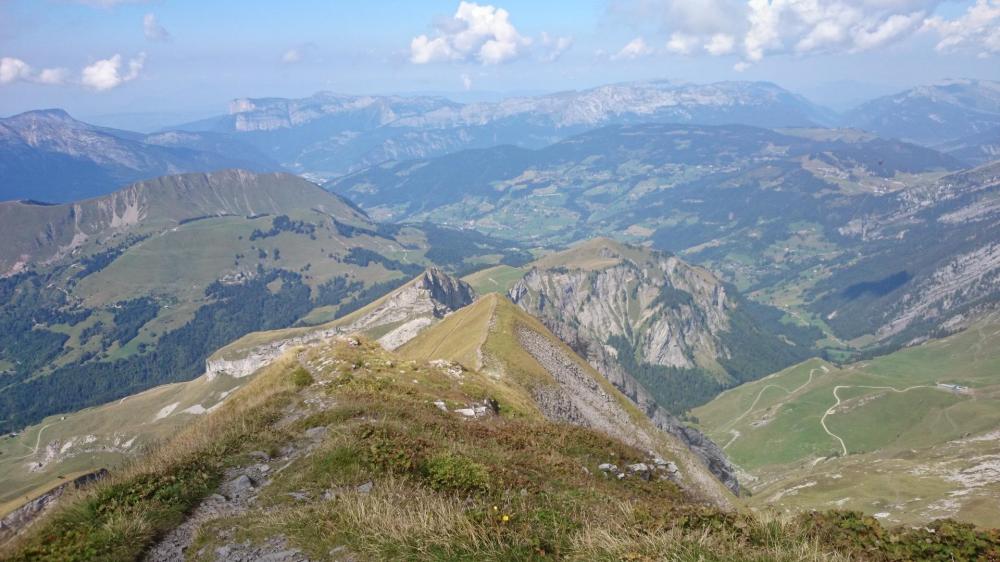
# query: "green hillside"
[[489, 336], [59, 447], [344, 451], [108, 297], [910, 436]]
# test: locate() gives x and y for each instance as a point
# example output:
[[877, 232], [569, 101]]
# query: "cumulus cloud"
[[753, 29], [720, 44], [481, 33], [13, 70], [52, 76], [152, 29], [291, 56], [681, 43], [466, 82], [107, 74], [806, 27], [16, 70], [634, 49], [551, 48], [977, 29], [691, 17]]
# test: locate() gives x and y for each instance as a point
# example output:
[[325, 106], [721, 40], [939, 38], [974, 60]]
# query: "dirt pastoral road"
[[736, 434], [832, 409]]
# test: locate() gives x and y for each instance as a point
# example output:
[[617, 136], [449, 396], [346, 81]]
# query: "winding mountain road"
[[832, 409], [778, 386]]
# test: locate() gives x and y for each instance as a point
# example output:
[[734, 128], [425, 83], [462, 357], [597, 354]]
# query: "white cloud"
[[476, 32], [893, 27], [107, 74], [13, 70], [553, 47], [291, 56], [634, 49], [681, 43], [691, 17], [977, 29], [813, 26], [52, 76], [153, 30], [755, 29], [16, 70], [720, 44], [466, 82]]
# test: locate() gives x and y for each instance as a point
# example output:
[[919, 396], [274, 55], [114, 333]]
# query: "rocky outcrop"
[[672, 314], [709, 453], [407, 310], [579, 399], [22, 517]]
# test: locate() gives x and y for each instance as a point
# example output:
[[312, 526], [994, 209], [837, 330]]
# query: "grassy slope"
[[116, 432], [507, 487], [128, 421], [240, 347], [496, 279], [912, 455], [483, 336]]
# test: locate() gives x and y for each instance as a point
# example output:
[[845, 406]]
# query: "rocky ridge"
[[623, 298], [404, 312], [672, 312]]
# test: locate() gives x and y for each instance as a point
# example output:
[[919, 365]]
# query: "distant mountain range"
[[48, 156], [330, 134], [932, 114]]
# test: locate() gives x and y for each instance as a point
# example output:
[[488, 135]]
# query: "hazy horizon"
[[180, 57]]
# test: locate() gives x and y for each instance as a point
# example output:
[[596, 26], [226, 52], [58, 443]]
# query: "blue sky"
[[97, 57]]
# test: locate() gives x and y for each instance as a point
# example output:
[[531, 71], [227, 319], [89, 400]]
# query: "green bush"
[[451, 472], [301, 377], [941, 541]]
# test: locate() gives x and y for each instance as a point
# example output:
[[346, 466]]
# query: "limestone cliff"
[[394, 319], [670, 313]]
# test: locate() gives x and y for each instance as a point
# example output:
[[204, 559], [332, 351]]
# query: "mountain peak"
[[50, 113], [53, 115]]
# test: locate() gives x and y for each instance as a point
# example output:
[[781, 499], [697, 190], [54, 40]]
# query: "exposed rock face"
[[671, 312], [940, 242], [361, 111], [580, 400], [704, 448], [22, 517], [409, 309], [968, 279], [432, 295]]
